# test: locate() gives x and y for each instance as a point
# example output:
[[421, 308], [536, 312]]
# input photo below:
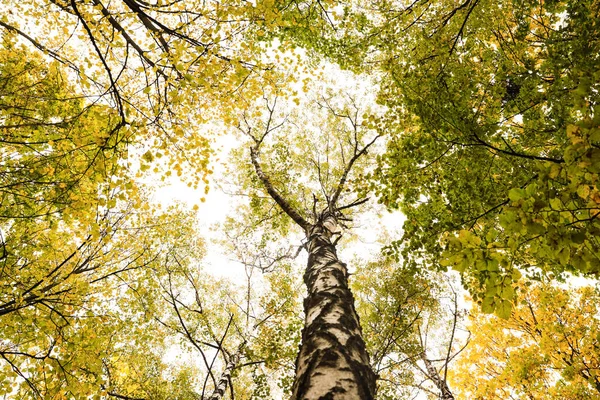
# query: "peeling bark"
[[225, 378], [333, 362], [434, 375]]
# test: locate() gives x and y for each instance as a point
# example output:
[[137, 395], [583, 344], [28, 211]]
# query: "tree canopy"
[[497, 163], [546, 349], [492, 133], [474, 124]]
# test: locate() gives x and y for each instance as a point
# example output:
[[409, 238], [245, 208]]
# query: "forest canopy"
[[306, 200]]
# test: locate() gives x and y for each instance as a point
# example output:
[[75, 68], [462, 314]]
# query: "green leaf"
[[515, 274], [516, 194], [507, 293], [503, 310], [564, 255], [578, 237], [488, 305]]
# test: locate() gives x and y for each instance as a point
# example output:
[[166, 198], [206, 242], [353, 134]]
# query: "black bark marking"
[[332, 362]]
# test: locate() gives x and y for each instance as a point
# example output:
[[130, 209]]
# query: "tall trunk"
[[434, 375], [333, 362], [225, 378]]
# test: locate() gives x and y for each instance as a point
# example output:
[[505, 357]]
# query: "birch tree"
[[310, 187], [413, 326]]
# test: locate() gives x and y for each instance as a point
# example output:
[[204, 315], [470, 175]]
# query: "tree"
[[87, 313], [57, 152], [492, 154], [197, 320], [412, 323], [507, 168], [333, 359], [268, 303], [81, 248], [547, 349], [248, 327], [77, 234], [130, 45]]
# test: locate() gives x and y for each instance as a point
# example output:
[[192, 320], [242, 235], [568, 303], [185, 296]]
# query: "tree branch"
[[344, 177], [283, 203]]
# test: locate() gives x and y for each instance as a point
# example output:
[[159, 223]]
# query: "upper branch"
[[283, 203], [42, 48], [511, 152], [113, 83], [342, 182], [462, 27]]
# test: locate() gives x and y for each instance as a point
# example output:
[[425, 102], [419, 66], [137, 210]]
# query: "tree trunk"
[[333, 362], [225, 378], [434, 375]]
